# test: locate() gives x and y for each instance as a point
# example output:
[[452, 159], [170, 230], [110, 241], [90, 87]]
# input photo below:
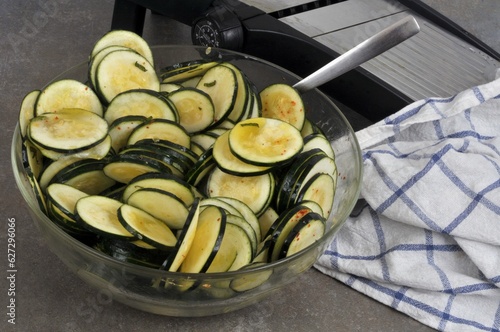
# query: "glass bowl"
[[203, 294]]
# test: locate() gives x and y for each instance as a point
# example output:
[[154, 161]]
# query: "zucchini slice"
[[27, 111], [282, 101], [146, 103], [254, 191], [285, 224], [242, 94], [221, 84], [265, 141], [266, 219], [56, 166], [318, 141], [231, 164], [247, 214], [169, 87], [124, 70], [87, 176], [124, 38], [185, 239], [154, 201], [309, 230], [67, 93], [235, 250], [201, 168], [183, 71], [161, 129], [32, 157], [64, 196], [251, 280], [123, 168], [320, 189], [145, 227], [161, 181], [121, 128], [250, 232], [96, 59], [206, 242], [135, 252], [67, 130], [99, 215], [195, 107]]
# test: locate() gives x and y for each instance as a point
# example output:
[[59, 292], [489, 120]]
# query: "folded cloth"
[[427, 242]]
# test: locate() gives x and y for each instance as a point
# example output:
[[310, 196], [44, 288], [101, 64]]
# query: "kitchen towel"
[[427, 241]]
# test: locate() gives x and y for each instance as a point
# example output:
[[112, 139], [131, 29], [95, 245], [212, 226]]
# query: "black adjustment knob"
[[219, 27]]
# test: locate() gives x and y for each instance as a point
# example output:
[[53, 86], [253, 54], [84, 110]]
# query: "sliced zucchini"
[[160, 181], [154, 201], [250, 232], [145, 227], [27, 111], [185, 239], [67, 93], [67, 130], [247, 214], [169, 87], [266, 219], [254, 191], [231, 164], [176, 166], [143, 102], [88, 177], [39, 195], [123, 168], [309, 230], [320, 189], [242, 94], [215, 201], [181, 72], [168, 147], [32, 157], [136, 252], [265, 141], [284, 225], [318, 141], [99, 214], [55, 167], [252, 279], [121, 128], [282, 101], [201, 168], [221, 84], [124, 38], [204, 140], [96, 59], [124, 70], [65, 197], [206, 242], [324, 165], [195, 107], [161, 129], [235, 250]]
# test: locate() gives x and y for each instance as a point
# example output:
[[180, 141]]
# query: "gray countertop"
[[39, 40]]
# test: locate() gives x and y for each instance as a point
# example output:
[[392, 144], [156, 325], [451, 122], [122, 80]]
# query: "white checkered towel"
[[428, 241]]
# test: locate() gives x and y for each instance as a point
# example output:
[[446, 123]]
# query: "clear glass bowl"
[[206, 294]]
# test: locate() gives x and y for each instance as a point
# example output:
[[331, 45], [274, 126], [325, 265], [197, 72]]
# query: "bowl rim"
[[30, 200]]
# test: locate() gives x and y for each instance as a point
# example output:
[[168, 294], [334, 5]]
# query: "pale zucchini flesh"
[[162, 205], [68, 130], [207, 240], [145, 227], [124, 70], [282, 101], [68, 93], [99, 214], [265, 141]]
